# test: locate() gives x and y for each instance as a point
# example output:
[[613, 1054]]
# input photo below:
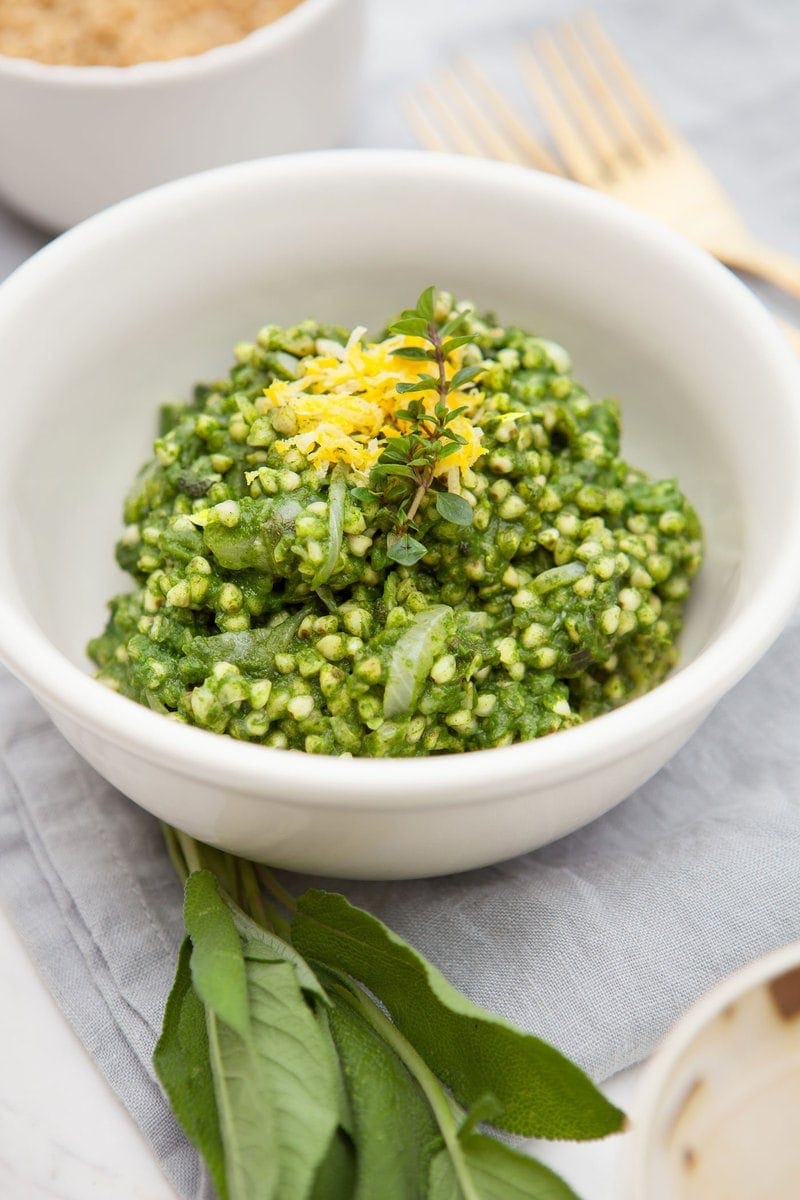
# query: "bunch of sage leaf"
[[312, 1054]]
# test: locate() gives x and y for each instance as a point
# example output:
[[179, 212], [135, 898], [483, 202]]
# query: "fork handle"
[[755, 258]]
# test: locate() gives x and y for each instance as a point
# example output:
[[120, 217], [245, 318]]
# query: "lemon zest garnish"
[[345, 405]]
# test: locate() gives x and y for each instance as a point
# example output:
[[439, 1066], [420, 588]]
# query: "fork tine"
[[423, 127], [509, 119], [580, 163], [594, 132], [638, 99], [496, 143], [460, 138], [630, 138]]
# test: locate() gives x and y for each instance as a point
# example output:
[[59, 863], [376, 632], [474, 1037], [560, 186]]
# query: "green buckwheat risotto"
[[417, 544]]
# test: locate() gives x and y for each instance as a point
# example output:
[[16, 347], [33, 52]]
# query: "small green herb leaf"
[[405, 550], [217, 963], [414, 352], [453, 508], [425, 383], [453, 343], [426, 303], [466, 375], [452, 324], [543, 1094], [445, 449], [453, 413], [363, 495], [499, 1173], [182, 1064], [394, 469], [411, 327]]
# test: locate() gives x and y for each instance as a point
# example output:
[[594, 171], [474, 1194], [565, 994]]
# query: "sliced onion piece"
[[412, 659], [336, 495]]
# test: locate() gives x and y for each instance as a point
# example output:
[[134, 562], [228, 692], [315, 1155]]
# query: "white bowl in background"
[[144, 299], [75, 139], [719, 1104]]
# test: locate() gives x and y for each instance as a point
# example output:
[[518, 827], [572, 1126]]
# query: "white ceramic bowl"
[[142, 300], [75, 139], [717, 1118]]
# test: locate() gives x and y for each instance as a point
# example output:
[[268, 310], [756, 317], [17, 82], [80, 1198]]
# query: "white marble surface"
[[65, 1136], [63, 1133]]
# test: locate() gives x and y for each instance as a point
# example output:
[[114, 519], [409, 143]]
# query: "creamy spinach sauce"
[[265, 604]]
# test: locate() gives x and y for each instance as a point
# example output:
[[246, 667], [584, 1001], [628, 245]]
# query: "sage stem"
[[277, 889]]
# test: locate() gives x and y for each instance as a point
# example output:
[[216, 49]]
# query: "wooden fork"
[[607, 134]]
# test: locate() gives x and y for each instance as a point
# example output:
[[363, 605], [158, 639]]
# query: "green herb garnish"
[[409, 465], [312, 1054]]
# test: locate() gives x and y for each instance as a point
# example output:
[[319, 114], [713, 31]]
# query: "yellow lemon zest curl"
[[345, 405]]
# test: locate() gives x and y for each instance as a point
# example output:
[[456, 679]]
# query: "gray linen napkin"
[[596, 943]]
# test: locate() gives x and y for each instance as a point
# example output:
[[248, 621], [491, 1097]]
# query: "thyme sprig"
[[409, 466]]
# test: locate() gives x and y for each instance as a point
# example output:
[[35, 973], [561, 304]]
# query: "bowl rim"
[[320, 781], [650, 1094], [275, 36]]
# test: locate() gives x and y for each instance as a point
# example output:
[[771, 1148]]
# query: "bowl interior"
[[726, 1124], [133, 308]]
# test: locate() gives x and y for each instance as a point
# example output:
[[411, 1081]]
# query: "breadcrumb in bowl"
[[121, 33], [75, 138]]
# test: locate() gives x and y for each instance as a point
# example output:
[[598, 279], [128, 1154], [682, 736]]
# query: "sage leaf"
[[412, 658], [453, 508], [542, 1093], [182, 1065], [393, 1127], [485, 1108], [251, 649], [299, 1075], [343, 1098], [217, 963], [245, 1114], [498, 1173], [336, 1177], [260, 944], [336, 498]]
